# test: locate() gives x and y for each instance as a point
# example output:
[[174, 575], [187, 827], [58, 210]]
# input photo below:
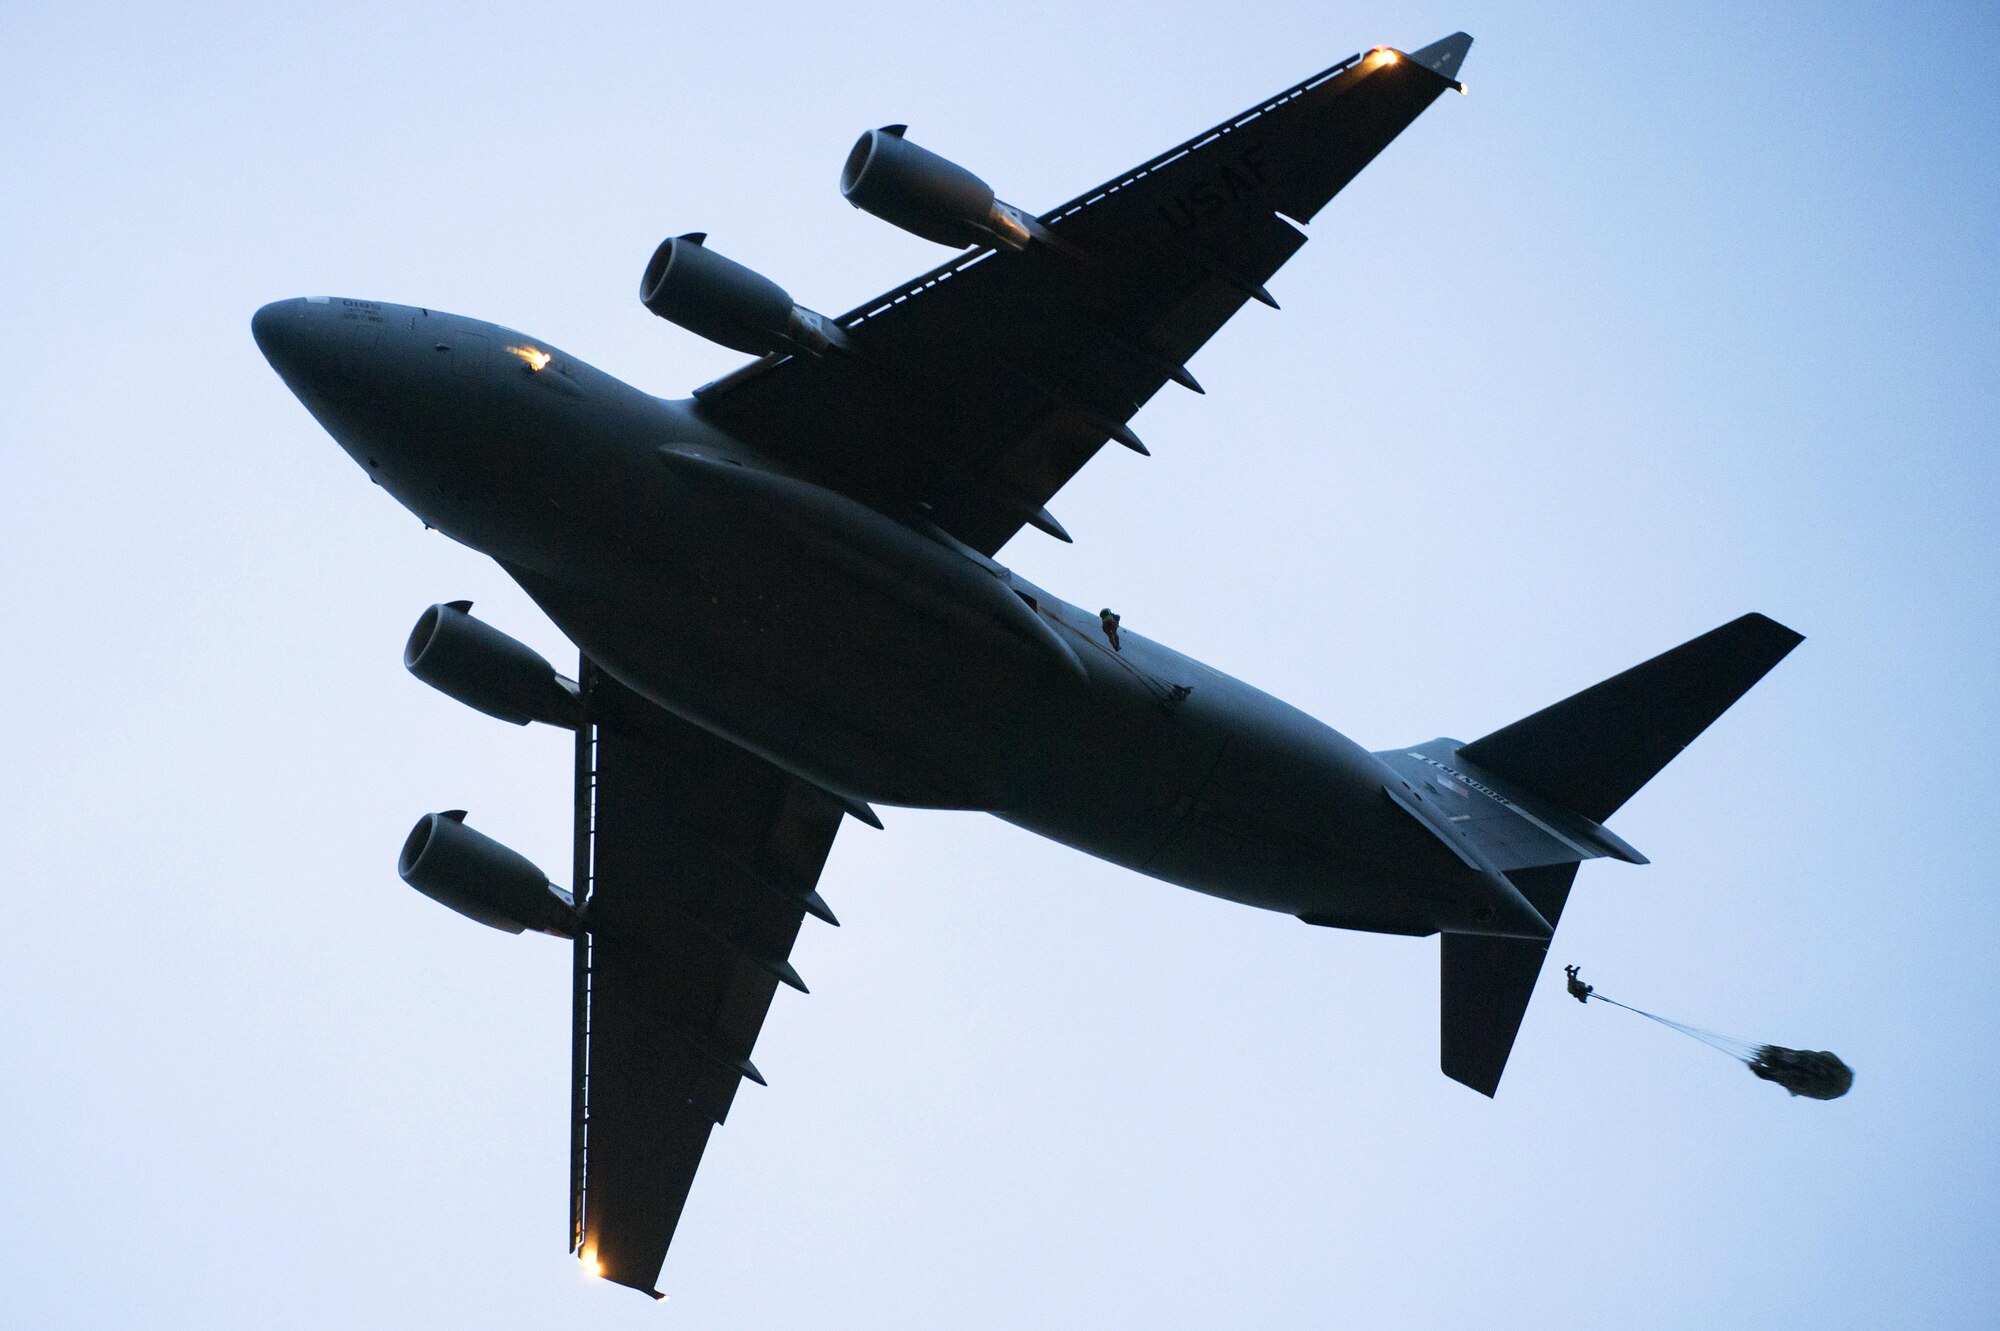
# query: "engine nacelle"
[[915, 189], [689, 284], [488, 671], [482, 879]]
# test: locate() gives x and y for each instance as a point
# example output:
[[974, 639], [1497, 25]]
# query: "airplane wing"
[[979, 389], [695, 864]]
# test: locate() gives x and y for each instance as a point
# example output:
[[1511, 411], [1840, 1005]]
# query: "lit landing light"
[[534, 357], [593, 1268], [1382, 55]]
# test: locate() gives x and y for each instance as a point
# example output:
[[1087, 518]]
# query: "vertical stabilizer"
[[1484, 985]]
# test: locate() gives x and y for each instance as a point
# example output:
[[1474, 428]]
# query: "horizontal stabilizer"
[[1591, 752]]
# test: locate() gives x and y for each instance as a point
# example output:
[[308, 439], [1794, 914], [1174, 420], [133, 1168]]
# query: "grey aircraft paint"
[[787, 574], [851, 650]]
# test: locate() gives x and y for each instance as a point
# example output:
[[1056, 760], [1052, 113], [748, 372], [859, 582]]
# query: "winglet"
[[1444, 57]]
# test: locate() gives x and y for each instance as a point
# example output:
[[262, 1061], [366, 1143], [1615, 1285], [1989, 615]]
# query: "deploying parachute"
[[1818, 1074], [1813, 1073]]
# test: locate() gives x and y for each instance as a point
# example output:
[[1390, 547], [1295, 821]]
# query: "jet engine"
[[915, 189], [488, 671], [482, 879], [689, 284]]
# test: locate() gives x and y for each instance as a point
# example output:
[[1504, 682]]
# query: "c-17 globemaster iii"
[[788, 609]]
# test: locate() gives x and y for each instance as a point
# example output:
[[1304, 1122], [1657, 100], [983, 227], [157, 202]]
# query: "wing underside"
[[979, 389], [695, 863]]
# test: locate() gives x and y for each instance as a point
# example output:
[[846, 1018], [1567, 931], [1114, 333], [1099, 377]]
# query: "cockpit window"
[[533, 357]]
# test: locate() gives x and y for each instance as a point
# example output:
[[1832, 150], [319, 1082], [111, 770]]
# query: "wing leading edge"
[[976, 391], [695, 863]]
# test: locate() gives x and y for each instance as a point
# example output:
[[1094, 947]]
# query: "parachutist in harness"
[[1816, 1074], [1110, 623]]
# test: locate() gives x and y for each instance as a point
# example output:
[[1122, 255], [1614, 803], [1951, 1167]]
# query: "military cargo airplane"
[[788, 608]]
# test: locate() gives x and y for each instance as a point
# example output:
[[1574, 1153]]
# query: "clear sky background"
[[1684, 311]]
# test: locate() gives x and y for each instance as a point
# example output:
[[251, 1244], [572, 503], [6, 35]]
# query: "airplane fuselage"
[[859, 648]]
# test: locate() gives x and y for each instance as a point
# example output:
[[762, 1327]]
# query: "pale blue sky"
[[1677, 315]]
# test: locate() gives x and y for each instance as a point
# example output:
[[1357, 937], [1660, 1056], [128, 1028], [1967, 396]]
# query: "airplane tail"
[[1566, 769]]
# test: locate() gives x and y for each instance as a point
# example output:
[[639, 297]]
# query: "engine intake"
[[482, 879], [480, 666], [689, 284], [915, 189]]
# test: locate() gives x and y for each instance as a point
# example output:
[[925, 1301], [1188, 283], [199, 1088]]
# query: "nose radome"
[[278, 329]]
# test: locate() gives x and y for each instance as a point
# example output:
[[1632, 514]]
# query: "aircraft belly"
[[1231, 793], [1223, 790], [1110, 774], [869, 660], [1283, 819], [895, 691], [827, 673]]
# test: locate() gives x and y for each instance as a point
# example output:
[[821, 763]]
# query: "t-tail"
[[1530, 800]]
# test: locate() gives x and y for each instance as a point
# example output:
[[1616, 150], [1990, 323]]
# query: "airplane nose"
[[279, 330]]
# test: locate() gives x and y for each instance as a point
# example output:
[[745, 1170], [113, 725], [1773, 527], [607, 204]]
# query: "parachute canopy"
[[1804, 1072], [1815, 1074]]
